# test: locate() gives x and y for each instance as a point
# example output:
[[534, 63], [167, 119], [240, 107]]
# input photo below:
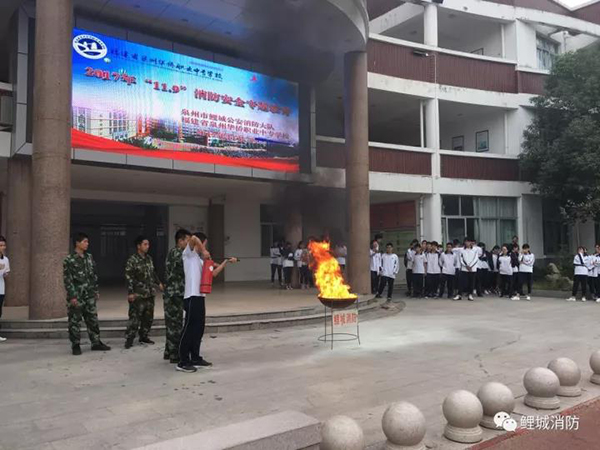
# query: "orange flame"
[[328, 274]]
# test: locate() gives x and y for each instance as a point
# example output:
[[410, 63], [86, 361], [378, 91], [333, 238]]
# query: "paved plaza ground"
[[124, 399]]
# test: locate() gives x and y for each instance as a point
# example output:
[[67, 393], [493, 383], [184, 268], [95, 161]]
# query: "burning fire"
[[328, 275]]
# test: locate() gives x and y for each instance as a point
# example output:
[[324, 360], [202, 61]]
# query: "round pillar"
[[356, 108], [51, 160]]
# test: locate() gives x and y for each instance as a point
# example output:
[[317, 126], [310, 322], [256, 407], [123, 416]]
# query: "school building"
[[253, 120]]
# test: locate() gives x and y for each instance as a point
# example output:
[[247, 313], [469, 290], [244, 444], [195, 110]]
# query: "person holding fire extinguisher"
[[199, 271]]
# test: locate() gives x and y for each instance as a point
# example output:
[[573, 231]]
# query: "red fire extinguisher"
[[206, 279]]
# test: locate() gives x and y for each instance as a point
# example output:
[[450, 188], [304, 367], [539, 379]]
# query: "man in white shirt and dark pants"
[[194, 305], [375, 256], [390, 266], [469, 259]]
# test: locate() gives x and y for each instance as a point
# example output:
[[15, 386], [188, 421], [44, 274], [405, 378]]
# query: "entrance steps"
[[57, 328]]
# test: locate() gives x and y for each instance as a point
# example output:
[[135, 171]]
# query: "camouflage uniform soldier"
[[141, 281], [81, 284], [173, 296]]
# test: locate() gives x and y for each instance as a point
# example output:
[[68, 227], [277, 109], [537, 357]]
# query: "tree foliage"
[[561, 153]]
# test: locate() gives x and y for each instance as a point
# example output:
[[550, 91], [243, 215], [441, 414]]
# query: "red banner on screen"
[[85, 141]]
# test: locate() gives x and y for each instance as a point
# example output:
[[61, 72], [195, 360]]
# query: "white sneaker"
[[458, 297], [515, 298], [571, 299], [598, 300], [528, 298], [471, 298], [2, 339], [583, 299]]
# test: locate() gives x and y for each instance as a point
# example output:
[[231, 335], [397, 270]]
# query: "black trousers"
[[1, 303], [409, 281], [447, 281], [505, 285], [515, 283], [287, 275], [468, 282], [417, 279], [374, 282], [193, 329], [580, 280], [592, 285], [482, 281], [275, 268], [493, 280], [390, 285], [525, 278], [304, 275], [432, 283]]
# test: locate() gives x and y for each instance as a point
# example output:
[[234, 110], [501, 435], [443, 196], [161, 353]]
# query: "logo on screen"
[[89, 46]]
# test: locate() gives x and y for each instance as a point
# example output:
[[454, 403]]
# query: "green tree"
[[561, 154]]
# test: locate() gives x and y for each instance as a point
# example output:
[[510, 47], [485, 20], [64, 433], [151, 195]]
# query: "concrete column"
[[432, 217], [356, 108], [51, 168], [430, 24], [18, 226]]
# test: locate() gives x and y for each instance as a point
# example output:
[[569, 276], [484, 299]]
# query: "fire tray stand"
[[338, 306]]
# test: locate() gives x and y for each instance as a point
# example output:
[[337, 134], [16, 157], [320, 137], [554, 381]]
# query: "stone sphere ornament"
[[495, 398], [595, 365], [463, 411], [542, 386], [342, 433], [569, 376], [404, 426]]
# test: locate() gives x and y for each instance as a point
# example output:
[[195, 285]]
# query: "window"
[[491, 220], [271, 228], [546, 52]]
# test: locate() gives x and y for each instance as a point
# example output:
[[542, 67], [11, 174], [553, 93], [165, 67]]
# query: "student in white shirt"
[[390, 266], [341, 252], [514, 254], [418, 271], [4, 271], [194, 256], [288, 265], [299, 260], [596, 262], [275, 254], [494, 270], [483, 270], [457, 248], [448, 262], [504, 266], [375, 264], [580, 266], [408, 263], [469, 259], [526, 262], [433, 269], [592, 276]]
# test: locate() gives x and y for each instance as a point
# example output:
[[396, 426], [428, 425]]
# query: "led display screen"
[[133, 99]]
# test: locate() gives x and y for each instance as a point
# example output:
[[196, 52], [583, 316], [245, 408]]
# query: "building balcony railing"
[[408, 60], [400, 159], [382, 157], [479, 167]]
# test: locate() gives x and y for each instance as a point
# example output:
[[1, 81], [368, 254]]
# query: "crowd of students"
[[469, 268], [284, 259]]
